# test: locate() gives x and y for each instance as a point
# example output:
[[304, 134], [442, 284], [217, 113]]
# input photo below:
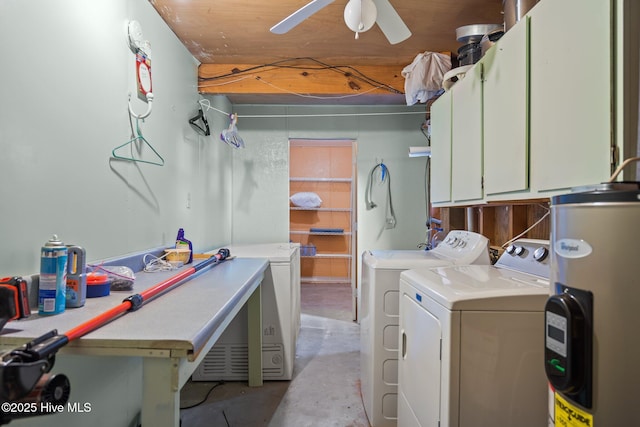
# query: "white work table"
[[171, 333]]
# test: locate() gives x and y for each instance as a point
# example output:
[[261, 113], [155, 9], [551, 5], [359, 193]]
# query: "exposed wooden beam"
[[306, 78]]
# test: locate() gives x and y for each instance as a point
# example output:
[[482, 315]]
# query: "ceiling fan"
[[359, 15]]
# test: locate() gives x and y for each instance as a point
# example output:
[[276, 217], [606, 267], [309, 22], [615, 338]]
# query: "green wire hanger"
[[139, 137], [132, 142]]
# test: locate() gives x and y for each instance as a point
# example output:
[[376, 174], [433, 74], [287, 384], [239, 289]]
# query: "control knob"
[[519, 250], [540, 254]]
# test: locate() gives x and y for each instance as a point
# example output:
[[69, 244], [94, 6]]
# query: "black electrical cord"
[[205, 397], [425, 135], [427, 175], [353, 72], [427, 191]]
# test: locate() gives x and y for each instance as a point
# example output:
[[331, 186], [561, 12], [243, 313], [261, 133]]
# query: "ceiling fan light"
[[360, 15]]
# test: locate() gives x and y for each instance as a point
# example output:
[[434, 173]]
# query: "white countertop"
[[178, 322]]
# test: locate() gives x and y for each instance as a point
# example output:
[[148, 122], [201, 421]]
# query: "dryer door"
[[418, 366]]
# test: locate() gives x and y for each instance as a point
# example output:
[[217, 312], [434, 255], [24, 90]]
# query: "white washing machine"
[[379, 314], [472, 341], [228, 359]]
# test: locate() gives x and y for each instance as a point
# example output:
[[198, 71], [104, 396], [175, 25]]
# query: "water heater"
[[592, 352]]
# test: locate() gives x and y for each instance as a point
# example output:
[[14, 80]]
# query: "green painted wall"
[[64, 86], [260, 171]]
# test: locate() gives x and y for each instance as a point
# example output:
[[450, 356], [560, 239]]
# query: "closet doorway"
[[322, 215]]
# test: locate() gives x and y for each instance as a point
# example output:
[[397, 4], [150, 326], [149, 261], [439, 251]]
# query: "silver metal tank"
[[592, 354], [514, 10]]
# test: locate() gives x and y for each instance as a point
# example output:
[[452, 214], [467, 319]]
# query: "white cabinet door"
[[441, 149], [571, 93], [466, 137], [505, 106]]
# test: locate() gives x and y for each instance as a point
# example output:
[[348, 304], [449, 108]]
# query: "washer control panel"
[[464, 247], [527, 256]]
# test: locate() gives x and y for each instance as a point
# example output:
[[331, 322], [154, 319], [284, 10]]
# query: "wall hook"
[[146, 113]]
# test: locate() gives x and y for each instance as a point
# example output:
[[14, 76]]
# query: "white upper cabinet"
[[534, 117], [441, 149], [571, 93], [505, 107], [466, 137]]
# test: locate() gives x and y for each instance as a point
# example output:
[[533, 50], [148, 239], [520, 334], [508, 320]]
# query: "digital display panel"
[[555, 333]]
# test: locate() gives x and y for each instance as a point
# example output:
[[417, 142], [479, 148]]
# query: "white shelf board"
[[300, 179], [295, 208], [346, 233]]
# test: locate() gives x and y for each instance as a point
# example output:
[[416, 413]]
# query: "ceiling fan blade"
[[391, 24], [299, 15]]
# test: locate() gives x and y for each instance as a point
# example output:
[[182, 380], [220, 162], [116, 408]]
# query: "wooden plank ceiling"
[[318, 61]]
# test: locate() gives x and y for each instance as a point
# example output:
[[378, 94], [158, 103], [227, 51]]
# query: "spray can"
[[76, 292], [53, 277]]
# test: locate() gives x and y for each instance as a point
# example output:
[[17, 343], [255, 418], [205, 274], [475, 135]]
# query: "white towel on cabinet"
[[423, 77]]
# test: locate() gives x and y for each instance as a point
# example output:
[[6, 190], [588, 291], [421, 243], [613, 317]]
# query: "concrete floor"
[[324, 391]]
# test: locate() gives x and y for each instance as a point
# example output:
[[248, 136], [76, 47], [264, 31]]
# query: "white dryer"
[[471, 342], [228, 359], [379, 314]]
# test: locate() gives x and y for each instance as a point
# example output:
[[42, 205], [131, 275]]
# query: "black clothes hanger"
[[204, 129]]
